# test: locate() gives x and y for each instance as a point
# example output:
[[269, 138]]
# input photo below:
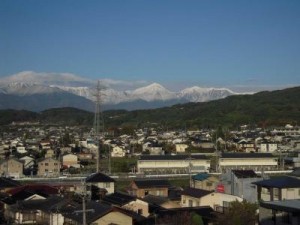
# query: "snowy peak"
[[198, 94], [153, 92], [31, 77], [22, 89]]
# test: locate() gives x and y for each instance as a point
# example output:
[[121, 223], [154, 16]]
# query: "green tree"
[[238, 213]]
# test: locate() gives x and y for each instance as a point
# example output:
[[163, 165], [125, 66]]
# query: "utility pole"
[[109, 160], [84, 210]]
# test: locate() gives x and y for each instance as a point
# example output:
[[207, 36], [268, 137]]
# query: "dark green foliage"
[[9, 115], [238, 213]]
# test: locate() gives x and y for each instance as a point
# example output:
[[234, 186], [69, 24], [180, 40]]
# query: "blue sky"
[[238, 44]]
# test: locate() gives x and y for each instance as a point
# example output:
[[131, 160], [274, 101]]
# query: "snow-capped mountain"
[[198, 94], [150, 96], [22, 89], [153, 92], [31, 77]]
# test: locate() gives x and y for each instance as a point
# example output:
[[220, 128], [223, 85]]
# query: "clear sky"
[[182, 43]]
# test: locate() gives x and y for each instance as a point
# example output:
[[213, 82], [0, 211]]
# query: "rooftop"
[[280, 182], [195, 192], [152, 183], [245, 174], [247, 155], [99, 177], [292, 205], [171, 157]]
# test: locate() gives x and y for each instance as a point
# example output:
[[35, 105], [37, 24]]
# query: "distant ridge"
[[264, 108], [31, 85]]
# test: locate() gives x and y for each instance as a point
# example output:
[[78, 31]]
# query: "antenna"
[[98, 122]]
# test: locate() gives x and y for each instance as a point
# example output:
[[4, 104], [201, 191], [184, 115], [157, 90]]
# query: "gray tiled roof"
[[152, 183], [99, 177], [195, 192], [247, 155], [172, 157]]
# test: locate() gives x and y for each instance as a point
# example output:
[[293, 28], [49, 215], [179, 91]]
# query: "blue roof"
[[280, 182], [201, 176]]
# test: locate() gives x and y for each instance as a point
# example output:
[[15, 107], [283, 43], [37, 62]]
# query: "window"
[[226, 204], [107, 185], [46, 164], [208, 184]]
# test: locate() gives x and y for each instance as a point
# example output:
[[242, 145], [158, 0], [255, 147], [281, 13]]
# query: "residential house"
[[242, 161], [45, 145], [246, 145], [163, 164], [141, 188], [101, 181], [292, 162], [70, 160], [11, 167], [161, 202], [28, 162], [85, 156], [279, 212], [205, 181], [268, 146], [103, 214], [193, 197], [21, 149], [203, 144], [118, 152], [288, 130], [240, 183], [190, 197], [278, 188], [153, 147], [49, 153], [180, 148], [128, 202], [48, 167]]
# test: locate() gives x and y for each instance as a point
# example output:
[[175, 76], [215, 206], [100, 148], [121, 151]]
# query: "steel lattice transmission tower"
[[98, 121]]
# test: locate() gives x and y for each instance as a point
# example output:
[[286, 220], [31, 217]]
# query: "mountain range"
[[264, 109], [39, 91]]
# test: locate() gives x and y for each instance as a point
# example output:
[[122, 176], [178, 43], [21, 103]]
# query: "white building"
[[181, 147], [193, 197], [118, 152], [173, 164], [254, 161], [268, 147]]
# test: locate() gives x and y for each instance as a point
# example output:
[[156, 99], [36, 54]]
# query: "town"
[[68, 175]]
